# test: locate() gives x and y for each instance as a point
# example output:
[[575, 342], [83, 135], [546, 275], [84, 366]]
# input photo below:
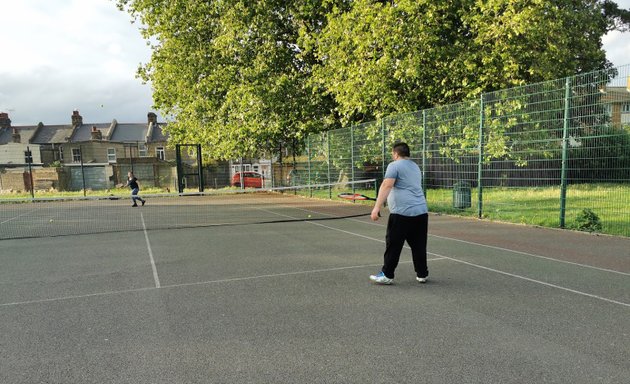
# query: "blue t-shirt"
[[407, 197]]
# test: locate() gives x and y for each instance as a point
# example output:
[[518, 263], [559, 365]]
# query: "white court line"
[[310, 271], [532, 255], [534, 280], [439, 257], [513, 251], [481, 267], [13, 218], [63, 298], [246, 278], [146, 236]]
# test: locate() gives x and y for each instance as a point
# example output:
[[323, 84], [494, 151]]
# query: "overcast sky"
[[62, 55]]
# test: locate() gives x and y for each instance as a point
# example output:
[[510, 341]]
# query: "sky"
[[64, 55]]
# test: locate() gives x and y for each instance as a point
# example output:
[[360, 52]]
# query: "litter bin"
[[461, 195]]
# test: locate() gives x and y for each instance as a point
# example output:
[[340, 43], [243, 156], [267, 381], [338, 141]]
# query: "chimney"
[[5, 122], [76, 118], [16, 136], [152, 118], [96, 134]]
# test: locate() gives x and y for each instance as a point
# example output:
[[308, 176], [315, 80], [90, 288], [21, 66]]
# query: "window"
[[159, 153], [61, 154], [111, 155], [142, 150], [241, 167], [625, 108], [76, 155]]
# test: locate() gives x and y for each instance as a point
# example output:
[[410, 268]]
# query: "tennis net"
[[43, 217]]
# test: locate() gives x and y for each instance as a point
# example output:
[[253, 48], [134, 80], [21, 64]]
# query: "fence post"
[[82, 168], [424, 149], [565, 132], [384, 149], [480, 161], [29, 161], [328, 161], [308, 163], [200, 168], [241, 175], [352, 157]]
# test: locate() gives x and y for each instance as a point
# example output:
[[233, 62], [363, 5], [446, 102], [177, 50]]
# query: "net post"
[[565, 132]]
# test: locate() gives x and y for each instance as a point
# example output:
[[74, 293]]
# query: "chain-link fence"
[[552, 154]]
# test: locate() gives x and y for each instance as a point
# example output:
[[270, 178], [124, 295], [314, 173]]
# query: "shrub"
[[588, 221]]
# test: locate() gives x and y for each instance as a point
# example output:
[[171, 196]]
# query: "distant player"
[[132, 182]]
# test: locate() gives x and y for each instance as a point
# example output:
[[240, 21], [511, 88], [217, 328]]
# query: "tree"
[[384, 57], [247, 77], [379, 58], [231, 73]]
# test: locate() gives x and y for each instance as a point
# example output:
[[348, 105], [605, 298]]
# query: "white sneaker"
[[380, 278], [422, 279]]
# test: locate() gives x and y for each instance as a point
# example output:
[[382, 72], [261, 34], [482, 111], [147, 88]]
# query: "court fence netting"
[[553, 154], [45, 217]]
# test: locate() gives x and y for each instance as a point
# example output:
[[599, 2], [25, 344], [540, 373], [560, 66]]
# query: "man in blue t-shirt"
[[408, 215]]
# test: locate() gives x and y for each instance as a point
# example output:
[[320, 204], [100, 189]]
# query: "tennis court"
[[280, 294]]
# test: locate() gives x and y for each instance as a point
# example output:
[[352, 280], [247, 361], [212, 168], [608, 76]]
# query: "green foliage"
[[248, 77], [588, 221]]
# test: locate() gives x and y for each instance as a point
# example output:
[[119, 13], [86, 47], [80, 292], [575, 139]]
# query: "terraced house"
[[83, 155]]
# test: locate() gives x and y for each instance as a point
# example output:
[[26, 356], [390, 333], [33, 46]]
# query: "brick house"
[[97, 153]]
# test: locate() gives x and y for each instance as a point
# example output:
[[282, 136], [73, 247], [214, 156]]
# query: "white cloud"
[[67, 54]]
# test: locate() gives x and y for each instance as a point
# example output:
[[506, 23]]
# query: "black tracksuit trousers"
[[414, 230]]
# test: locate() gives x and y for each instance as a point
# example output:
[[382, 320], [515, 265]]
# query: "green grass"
[[55, 193], [541, 206]]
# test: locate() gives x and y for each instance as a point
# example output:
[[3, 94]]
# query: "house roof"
[[129, 132], [26, 133], [157, 134], [52, 134], [150, 132], [83, 132], [135, 132]]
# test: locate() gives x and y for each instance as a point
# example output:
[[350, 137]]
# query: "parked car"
[[250, 180]]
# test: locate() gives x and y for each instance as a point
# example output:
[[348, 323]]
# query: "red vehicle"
[[250, 180]]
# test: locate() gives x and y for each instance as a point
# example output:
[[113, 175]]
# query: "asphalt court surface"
[[292, 303]]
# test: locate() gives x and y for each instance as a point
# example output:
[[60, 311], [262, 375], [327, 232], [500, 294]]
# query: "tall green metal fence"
[[554, 154]]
